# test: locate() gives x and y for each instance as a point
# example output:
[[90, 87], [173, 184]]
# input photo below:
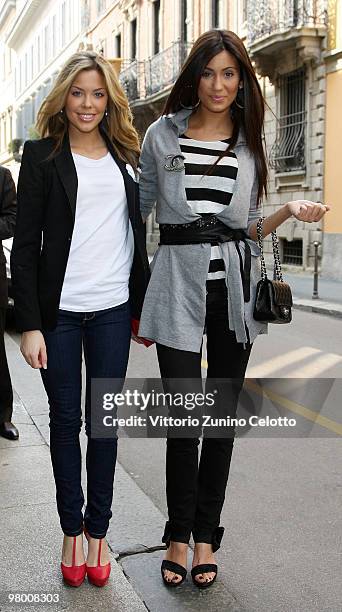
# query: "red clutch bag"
[[135, 329]]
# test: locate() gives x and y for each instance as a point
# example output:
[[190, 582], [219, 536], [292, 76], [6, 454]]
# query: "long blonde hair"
[[118, 123]]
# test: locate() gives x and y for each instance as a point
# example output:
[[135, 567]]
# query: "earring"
[[235, 100], [188, 107], [106, 113], [61, 111]]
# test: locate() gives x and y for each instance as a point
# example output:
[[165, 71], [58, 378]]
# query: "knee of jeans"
[[58, 422], [97, 437]]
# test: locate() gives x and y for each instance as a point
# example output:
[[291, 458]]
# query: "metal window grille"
[[288, 151], [293, 252]]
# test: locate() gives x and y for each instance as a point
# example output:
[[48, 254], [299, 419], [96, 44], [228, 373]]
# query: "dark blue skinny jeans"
[[105, 338]]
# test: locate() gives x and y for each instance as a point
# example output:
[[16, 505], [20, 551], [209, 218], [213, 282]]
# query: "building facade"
[[287, 43], [295, 46], [36, 37], [332, 241]]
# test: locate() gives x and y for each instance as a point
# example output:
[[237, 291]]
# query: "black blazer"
[[47, 191], [8, 207]]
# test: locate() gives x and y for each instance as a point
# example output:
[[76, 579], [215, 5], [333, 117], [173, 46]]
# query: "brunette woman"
[[80, 270], [204, 165]]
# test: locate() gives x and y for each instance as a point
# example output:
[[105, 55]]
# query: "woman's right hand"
[[34, 349]]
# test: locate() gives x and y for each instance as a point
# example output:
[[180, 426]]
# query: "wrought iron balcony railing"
[[163, 68], [266, 17], [146, 78], [131, 77]]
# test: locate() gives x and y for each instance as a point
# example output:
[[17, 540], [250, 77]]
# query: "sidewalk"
[[31, 540], [329, 300], [31, 536], [272, 559]]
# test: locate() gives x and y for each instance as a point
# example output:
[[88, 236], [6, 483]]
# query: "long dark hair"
[[251, 117]]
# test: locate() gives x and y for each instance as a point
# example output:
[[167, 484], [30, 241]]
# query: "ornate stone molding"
[[128, 7]]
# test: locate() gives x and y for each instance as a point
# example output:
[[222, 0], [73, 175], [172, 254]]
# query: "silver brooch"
[[176, 164]]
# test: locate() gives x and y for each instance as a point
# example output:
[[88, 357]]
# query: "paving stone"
[[143, 571]]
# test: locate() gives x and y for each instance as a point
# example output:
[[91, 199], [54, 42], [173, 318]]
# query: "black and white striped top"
[[208, 194]]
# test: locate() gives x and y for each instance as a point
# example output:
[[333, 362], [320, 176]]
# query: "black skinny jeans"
[[195, 492]]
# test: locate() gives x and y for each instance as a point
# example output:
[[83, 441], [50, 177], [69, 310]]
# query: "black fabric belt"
[[210, 230]]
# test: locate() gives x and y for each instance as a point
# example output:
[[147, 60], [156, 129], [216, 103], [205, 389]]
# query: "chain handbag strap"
[[276, 255]]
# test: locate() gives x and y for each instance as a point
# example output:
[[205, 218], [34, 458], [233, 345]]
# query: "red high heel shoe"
[[99, 574], [74, 575]]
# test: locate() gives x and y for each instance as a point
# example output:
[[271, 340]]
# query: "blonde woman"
[[80, 271]]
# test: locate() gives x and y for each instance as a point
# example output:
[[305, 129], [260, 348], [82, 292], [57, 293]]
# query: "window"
[[244, 10], [117, 45], [31, 62], [184, 29], [101, 5], [54, 35], [20, 75], [217, 13], [3, 69], [133, 39], [46, 44], [85, 14], [38, 54], [288, 151], [63, 24], [156, 32], [156, 14], [292, 252], [26, 70]]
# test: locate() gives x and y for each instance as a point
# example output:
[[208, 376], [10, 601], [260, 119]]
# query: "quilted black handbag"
[[273, 300]]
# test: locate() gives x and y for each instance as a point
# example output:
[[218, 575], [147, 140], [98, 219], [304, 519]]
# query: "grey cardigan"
[[174, 309]]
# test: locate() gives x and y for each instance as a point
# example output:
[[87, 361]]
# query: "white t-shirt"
[[102, 245]]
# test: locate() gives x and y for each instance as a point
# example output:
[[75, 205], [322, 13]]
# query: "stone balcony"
[[276, 26]]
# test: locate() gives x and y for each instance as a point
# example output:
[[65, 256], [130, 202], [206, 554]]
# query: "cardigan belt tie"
[[210, 230]]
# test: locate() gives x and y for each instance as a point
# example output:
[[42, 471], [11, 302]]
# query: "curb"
[[32, 403], [325, 308]]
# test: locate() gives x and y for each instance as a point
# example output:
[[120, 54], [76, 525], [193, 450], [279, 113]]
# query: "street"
[[282, 514]]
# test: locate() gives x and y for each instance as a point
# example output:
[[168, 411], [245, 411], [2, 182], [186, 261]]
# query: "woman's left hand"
[[307, 211]]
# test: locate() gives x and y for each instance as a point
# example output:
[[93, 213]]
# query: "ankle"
[[177, 551], [94, 546], [178, 545], [68, 547]]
